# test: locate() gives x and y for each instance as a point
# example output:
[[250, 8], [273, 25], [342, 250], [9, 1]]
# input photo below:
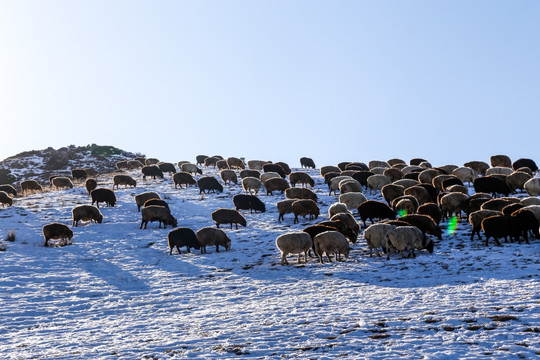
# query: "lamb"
[[180, 237], [480, 167], [79, 174], [377, 181], [210, 236], [251, 173], [500, 160], [337, 208], [333, 185], [125, 180], [157, 202], [305, 207], [103, 195], [492, 185], [5, 199], [475, 219], [229, 176], [157, 213], [352, 199], [465, 174], [329, 168], [209, 183], [183, 178], [301, 178], [393, 174], [432, 210], [424, 223], [499, 170], [498, 204], [453, 203], [426, 176], [293, 243], [153, 171], [257, 164], [57, 231], [306, 162], [144, 197], [300, 193], [8, 189], [235, 163], [248, 202], [404, 207], [30, 186], [86, 213], [531, 200], [406, 183], [375, 236], [349, 185], [331, 242], [200, 159], [373, 209], [90, 184], [532, 187], [228, 216], [350, 222], [251, 183], [407, 238], [391, 191], [420, 193], [61, 182], [284, 207], [274, 168], [529, 163], [276, 184], [166, 167], [498, 226]]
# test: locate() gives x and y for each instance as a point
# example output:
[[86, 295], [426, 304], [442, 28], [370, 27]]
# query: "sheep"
[[499, 170], [304, 207], [479, 167], [61, 182], [357, 166], [256, 164], [103, 195], [5, 199], [151, 161], [446, 183], [144, 197], [527, 221], [337, 208], [86, 213], [362, 176], [393, 174], [301, 178], [209, 183], [79, 174], [125, 180], [416, 161], [406, 183], [438, 180], [250, 173], [248, 202], [314, 230], [425, 165], [135, 164], [352, 199], [373, 209], [293, 243], [30, 186], [535, 210], [8, 189], [408, 197], [448, 168], [222, 165], [251, 183], [510, 208], [153, 171], [475, 219], [377, 181], [412, 168], [350, 222], [412, 176], [529, 163], [492, 185], [210, 161], [532, 187], [331, 242], [180, 237], [90, 184], [306, 162], [329, 176], [498, 226], [404, 207], [531, 200], [209, 236], [157, 213], [229, 176], [200, 159], [276, 184], [378, 170], [420, 193], [424, 223], [349, 185], [526, 170], [228, 216], [285, 167], [300, 193], [284, 207], [498, 204], [158, 202], [391, 191], [57, 231], [333, 185], [377, 163], [274, 168], [375, 236], [431, 209], [268, 175], [465, 174], [191, 169], [183, 178], [329, 168], [500, 160], [166, 167], [120, 165], [407, 238], [426, 176], [453, 203], [396, 161], [235, 163]]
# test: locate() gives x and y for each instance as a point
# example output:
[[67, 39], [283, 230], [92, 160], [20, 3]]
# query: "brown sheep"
[[228, 216], [276, 184], [301, 178], [305, 207], [431, 209], [125, 180], [391, 191], [10, 189], [5, 199], [284, 207], [86, 213], [500, 160], [157, 202], [516, 180], [30, 186], [142, 198], [157, 213], [329, 168], [424, 223], [183, 178], [300, 193], [57, 231], [229, 176], [212, 236], [236, 163], [90, 184], [419, 192], [479, 166]]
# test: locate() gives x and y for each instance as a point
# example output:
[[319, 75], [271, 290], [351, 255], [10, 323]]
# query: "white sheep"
[[377, 181], [293, 243], [352, 199], [517, 180], [375, 236], [476, 217], [465, 174], [331, 242], [337, 208], [411, 168], [531, 200], [251, 183], [532, 187], [256, 164], [404, 238], [453, 203], [426, 176], [334, 183], [499, 170], [349, 185], [406, 183], [377, 163], [269, 175]]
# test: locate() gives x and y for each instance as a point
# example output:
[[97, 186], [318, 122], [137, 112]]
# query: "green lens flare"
[[402, 212], [452, 225]]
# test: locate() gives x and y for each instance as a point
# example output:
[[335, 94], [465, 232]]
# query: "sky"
[[336, 81]]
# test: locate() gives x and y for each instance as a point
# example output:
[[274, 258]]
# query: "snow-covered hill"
[[117, 293]]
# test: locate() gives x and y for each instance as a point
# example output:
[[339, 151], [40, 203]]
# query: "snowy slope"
[[117, 293]]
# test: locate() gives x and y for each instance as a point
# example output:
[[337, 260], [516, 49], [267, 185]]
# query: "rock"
[[58, 160], [6, 177]]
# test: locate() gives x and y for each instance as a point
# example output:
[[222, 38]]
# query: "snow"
[[117, 293]]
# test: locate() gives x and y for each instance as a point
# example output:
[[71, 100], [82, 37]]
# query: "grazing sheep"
[[274, 168], [151, 161], [420, 193], [304, 207], [257, 164], [228, 216], [57, 231], [135, 164], [144, 197], [331, 242], [424, 223], [377, 163], [103, 195], [480, 167], [500, 226], [157, 202], [404, 207], [529, 163], [125, 180], [251, 183], [152, 170], [268, 175], [412, 169], [210, 161], [328, 169], [362, 176], [438, 180], [222, 164], [293, 243], [499, 170], [91, 172], [191, 169], [412, 176], [355, 165], [377, 181], [532, 187], [378, 170], [396, 161], [446, 183], [284, 207], [285, 167], [465, 174], [531, 200], [329, 176], [300, 193], [510, 208], [457, 188], [527, 221], [337, 208], [500, 160], [333, 185], [453, 203], [166, 167], [526, 170], [79, 174], [416, 161], [349, 185], [535, 210], [86, 213], [250, 173], [350, 222], [121, 165], [432, 210], [90, 184], [426, 176], [229, 176], [498, 204], [5, 199], [248, 202], [200, 159], [314, 230], [10, 189], [406, 183], [352, 199], [491, 185], [61, 182], [373, 209], [235, 163], [180, 163], [157, 213], [276, 184], [375, 236], [391, 191], [425, 165], [30, 186], [407, 238], [475, 219], [306, 162], [209, 183], [183, 178], [180, 237], [393, 174], [301, 178], [447, 169], [210, 236], [408, 197]]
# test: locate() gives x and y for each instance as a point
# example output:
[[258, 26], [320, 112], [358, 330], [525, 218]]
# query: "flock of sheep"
[[419, 195]]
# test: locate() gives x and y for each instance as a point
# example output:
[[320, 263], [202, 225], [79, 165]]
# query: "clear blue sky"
[[450, 81]]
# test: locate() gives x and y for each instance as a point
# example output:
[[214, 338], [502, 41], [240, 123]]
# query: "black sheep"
[[167, 167], [8, 189], [209, 183], [182, 237], [79, 174], [372, 209], [424, 223], [432, 210], [200, 159], [103, 195], [362, 176], [498, 226], [526, 221], [306, 162], [181, 178], [152, 170], [519, 163], [491, 185], [248, 202], [274, 168]]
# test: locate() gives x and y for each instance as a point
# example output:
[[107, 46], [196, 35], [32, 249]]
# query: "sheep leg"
[[217, 247], [328, 257], [284, 259], [298, 260]]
